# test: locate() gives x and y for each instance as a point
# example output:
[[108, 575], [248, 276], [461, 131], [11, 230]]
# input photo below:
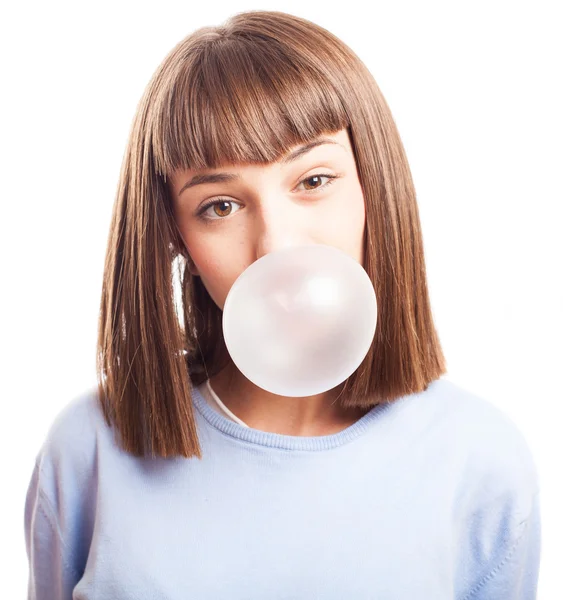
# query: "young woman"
[[178, 477]]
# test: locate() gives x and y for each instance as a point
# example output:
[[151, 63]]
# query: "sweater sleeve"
[[50, 572], [515, 576]]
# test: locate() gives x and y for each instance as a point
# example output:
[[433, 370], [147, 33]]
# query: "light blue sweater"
[[431, 497]]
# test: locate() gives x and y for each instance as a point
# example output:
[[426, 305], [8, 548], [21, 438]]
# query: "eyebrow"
[[226, 177]]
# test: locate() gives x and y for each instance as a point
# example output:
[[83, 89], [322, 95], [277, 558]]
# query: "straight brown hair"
[[246, 92]]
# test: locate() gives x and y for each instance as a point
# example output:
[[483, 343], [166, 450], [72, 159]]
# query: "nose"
[[278, 228]]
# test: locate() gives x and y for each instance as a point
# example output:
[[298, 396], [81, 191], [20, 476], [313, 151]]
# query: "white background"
[[475, 89]]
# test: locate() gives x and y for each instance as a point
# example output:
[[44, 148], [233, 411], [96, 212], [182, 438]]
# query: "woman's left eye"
[[330, 178]]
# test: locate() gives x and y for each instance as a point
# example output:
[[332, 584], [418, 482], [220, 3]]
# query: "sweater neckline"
[[374, 417]]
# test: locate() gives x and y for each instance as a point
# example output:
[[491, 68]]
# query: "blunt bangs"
[[242, 103]]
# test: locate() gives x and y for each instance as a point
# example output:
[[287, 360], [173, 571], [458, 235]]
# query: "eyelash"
[[201, 212]]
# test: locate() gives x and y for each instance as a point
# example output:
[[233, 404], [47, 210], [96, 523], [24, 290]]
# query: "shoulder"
[[492, 493], [494, 461], [76, 425], [61, 497], [68, 452]]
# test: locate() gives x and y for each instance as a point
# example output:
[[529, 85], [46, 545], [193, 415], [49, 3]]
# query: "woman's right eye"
[[220, 203]]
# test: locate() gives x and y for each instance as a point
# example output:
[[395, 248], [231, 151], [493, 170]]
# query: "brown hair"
[[246, 92]]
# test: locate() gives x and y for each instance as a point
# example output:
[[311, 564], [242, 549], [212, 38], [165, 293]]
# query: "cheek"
[[347, 228], [217, 271], [356, 210], [345, 224]]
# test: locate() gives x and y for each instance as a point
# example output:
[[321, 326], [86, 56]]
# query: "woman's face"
[[249, 210]]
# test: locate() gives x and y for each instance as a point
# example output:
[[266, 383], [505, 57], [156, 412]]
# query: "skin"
[[271, 207]]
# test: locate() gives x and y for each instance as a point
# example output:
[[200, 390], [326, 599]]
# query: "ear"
[[192, 268]]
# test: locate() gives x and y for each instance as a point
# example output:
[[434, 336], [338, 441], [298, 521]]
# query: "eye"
[[317, 177], [221, 203]]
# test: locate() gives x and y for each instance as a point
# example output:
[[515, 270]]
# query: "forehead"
[[339, 141]]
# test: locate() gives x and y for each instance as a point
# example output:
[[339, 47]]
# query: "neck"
[[321, 414]]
